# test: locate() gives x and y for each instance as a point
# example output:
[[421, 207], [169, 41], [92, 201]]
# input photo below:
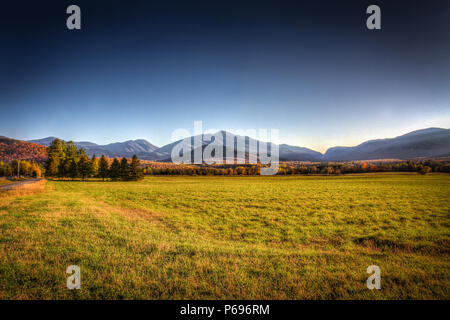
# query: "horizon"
[[281, 142]]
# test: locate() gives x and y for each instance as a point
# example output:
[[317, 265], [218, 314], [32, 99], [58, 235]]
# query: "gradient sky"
[[141, 69]]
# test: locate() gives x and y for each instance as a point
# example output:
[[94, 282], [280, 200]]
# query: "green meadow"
[[294, 237]]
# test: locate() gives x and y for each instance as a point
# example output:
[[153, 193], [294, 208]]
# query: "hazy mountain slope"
[[44, 141], [431, 142], [292, 153], [47, 141], [287, 152], [128, 148]]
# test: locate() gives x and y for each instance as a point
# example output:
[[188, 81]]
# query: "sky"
[[142, 69]]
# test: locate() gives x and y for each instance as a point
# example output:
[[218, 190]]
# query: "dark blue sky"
[[141, 69]]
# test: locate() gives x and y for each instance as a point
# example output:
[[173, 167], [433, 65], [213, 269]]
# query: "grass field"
[[309, 237]]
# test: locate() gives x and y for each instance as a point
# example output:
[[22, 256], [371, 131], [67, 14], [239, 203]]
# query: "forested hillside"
[[11, 149]]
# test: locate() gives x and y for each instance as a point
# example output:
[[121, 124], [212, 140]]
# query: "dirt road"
[[17, 184]]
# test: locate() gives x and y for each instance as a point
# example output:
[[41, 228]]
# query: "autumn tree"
[[425, 170], [94, 166], [327, 170], [26, 168], [36, 170], [254, 170], [3, 169]]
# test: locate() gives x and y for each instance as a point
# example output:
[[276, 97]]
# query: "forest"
[[65, 160], [336, 168]]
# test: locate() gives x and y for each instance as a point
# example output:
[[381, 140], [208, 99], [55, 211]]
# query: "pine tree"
[[56, 153], [84, 166], [114, 170], [64, 168], [57, 148], [135, 171], [52, 166], [73, 169], [124, 169], [71, 150], [103, 168]]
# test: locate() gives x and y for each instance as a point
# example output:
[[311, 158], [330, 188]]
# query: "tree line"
[[65, 160], [20, 168], [295, 169]]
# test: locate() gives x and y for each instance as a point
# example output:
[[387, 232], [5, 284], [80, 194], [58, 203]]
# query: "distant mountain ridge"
[[431, 142], [128, 148], [287, 152], [425, 143]]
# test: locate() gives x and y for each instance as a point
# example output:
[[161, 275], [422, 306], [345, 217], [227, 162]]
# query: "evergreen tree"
[[114, 170], [103, 168], [56, 153], [135, 171], [64, 168], [84, 166], [57, 148], [73, 169], [51, 167], [71, 150], [81, 152], [124, 169]]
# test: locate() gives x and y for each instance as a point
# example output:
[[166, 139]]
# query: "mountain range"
[[142, 148], [425, 143]]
